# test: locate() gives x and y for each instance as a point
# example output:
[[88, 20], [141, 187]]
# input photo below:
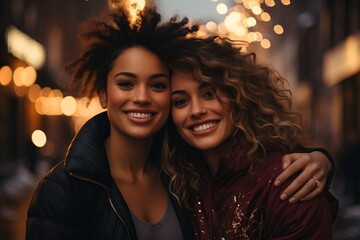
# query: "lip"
[[208, 126], [140, 116]]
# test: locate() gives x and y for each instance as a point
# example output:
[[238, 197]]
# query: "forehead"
[[139, 59], [184, 80]]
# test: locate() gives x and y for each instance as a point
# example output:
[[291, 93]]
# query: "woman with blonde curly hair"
[[232, 124]]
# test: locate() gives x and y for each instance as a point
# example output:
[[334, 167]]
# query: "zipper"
[[109, 198]]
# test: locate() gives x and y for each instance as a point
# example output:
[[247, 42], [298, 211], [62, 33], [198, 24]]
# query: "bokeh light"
[[68, 106], [5, 75], [278, 29], [221, 8], [38, 137]]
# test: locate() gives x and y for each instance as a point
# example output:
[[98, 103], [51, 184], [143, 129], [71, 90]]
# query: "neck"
[[212, 161], [128, 158], [212, 157]]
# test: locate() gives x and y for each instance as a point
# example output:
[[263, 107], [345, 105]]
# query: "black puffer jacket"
[[78, 198]]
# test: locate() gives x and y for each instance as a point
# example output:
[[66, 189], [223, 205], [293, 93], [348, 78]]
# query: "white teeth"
[[139, 115], [204, 126]]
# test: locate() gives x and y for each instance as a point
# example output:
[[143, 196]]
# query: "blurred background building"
[[313, 43]]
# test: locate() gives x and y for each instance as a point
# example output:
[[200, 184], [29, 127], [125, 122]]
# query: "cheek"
[[164, 101], [177, 117], [115, 97]]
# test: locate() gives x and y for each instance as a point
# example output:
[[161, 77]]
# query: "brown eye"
[[209, 95], [180, 102], [159, 86], [125, 85]]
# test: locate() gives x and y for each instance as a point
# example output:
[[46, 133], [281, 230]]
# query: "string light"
[[5, 75], [242, 20], [278, 29]]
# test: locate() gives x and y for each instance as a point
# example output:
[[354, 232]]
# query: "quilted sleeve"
[[53, 212]]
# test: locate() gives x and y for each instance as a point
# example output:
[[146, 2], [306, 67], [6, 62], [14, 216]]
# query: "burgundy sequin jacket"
[[238, 204]]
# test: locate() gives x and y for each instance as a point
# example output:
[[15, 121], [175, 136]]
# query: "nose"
[[142, 96], [197, 109]]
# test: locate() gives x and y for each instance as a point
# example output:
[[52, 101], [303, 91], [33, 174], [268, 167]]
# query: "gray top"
[[167, 228]]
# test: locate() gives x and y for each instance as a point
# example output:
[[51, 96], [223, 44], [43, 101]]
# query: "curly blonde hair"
[[260, 102]]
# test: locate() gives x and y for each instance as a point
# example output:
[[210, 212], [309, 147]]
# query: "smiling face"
[[137, 94], [201, 119]]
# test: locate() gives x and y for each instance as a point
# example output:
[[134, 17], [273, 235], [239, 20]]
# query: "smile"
[[140, 115], [204, 127]]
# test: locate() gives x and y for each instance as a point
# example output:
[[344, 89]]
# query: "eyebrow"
[[132, 75], [200, 87]]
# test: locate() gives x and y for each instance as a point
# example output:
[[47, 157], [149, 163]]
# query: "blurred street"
[[15, 194]]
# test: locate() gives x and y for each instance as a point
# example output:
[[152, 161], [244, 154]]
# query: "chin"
[[204, 146]]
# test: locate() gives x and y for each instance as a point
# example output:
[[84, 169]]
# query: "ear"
[[103, 100]]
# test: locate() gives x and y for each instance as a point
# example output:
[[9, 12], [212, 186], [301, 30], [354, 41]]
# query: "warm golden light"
[[45, 92], [222, 29], [270, 3], [250, 22], [252, 37], [265, 17], [19, 76], [285, 2], [211, 26], [134, 7], [24, 47], [68, 106], [5, 75], [31, 75], [278, 29], [20, 91], [259, 36], [252, 4], [38, 137], [86, 108], [265, 43], [39, 105], [56, 93], [221, 8], [256, 10], [34, 92]]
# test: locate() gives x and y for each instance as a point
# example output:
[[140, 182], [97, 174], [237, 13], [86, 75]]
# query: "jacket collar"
[[86, 155], [232, 164], [86, 158]]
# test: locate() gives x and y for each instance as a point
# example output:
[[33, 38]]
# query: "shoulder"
[[269, 168], [53, 194], [60, 205], [309, 219], [61, 197]]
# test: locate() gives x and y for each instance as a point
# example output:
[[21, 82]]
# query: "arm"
[[316, 165], [52, 211]]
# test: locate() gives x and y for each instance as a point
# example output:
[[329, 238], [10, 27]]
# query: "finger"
[[288, 159], [309, 187], [319, 188], [311, 195], [300, 181], [291, 170]]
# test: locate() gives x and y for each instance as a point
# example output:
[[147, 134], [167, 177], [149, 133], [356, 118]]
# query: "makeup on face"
[[138, 93], [201, 119]]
